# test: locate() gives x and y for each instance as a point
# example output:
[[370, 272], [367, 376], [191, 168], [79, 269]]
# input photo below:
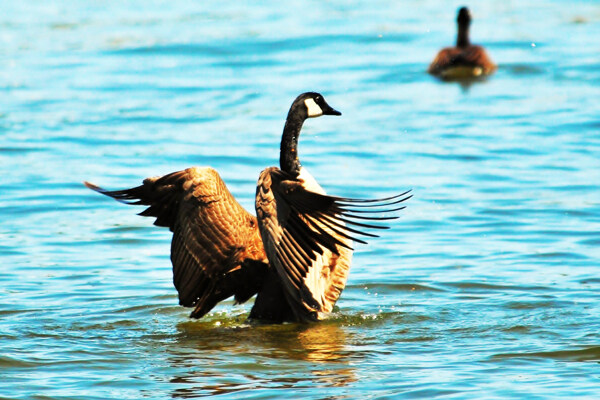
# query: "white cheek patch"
[[313, 108]]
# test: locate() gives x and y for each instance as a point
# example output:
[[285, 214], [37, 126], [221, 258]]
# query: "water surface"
[[487, 287]]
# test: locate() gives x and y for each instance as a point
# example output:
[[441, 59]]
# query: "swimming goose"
[[465, 60], [295, 254]]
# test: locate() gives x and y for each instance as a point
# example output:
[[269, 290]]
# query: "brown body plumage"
[[464, 60], [295, 254]]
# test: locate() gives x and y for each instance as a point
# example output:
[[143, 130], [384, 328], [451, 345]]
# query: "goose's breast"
[[309, 182]]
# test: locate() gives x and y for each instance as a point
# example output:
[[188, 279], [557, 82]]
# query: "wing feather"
[[307, 239], [216, 250]]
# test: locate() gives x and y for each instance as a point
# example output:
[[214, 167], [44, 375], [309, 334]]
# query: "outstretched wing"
[[308, 237], [216, 248]]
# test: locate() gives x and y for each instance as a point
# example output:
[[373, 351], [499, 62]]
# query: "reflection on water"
[[465, 83], [323, 342], [202, 353]]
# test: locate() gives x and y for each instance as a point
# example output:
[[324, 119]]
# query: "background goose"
[[465, 60], [297, 252]]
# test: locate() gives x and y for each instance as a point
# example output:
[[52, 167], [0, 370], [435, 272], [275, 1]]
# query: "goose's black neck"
[[462, 39], [464, 22], [288, 155]]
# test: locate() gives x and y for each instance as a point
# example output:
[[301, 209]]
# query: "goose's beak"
[[327, 110]]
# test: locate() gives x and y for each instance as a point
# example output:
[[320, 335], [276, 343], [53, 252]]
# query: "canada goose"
[[465, 60], [295, 254]]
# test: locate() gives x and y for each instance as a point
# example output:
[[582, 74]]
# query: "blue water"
[[487, 287]]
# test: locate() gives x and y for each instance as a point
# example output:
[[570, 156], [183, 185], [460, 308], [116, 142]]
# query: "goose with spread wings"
[[294, 255], [465, 60]]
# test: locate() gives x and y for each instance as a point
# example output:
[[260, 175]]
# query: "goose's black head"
[[464, 17], [311, 105], [307, 105]]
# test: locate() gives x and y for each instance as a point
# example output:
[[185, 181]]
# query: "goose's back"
[[461, 62]]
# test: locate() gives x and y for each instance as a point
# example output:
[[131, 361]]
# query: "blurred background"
[[487, 287]]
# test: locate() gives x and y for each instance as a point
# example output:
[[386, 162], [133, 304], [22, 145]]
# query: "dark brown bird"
[[465, 60], [295, 254]]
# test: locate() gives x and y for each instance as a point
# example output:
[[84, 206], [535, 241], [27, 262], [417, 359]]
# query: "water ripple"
[[487, 286]]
